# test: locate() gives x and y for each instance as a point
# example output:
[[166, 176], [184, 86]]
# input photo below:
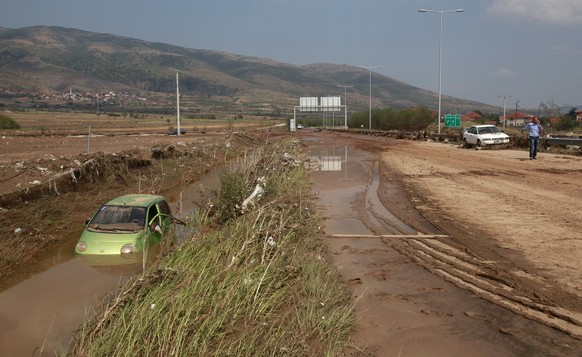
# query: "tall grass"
[[253, 283]]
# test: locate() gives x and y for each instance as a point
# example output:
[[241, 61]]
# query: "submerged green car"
[[125, 225]]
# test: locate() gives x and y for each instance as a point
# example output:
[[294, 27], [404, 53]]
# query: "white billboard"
[[331, 104], [308, 104]]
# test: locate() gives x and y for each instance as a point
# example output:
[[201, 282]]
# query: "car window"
[[153, 212], [472, 130], [118, 218], [165, 208], [489, 130], [165, 211]]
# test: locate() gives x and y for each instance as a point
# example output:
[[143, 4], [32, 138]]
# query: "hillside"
[[55, 60]]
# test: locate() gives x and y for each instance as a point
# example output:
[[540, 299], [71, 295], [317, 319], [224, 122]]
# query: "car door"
[[154, 227], [471, 136], [166, 218]]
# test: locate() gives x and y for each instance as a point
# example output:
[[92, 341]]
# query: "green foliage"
[[391, 119], [232, 192], [567, 122], [489, 117], [8, 123]]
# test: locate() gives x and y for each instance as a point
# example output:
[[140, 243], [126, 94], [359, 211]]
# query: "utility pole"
[[345, 105], [505, 96], [178, 102], [516, 105]]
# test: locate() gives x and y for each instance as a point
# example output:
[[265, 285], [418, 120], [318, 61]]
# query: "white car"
[[484, 135]]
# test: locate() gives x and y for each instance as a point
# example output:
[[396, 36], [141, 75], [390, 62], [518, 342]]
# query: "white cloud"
[[557, 12], [504, 72]]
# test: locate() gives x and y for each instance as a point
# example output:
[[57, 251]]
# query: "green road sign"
[[452, 120]]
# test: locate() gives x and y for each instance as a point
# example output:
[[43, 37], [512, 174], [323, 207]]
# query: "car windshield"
[[118, 218], [489, 130]]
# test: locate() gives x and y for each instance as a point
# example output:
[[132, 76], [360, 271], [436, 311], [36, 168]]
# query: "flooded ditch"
[[43, 307]]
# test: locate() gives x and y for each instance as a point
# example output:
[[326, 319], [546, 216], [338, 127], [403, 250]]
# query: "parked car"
[[299, 126], [175, 131], [484, 135], [125, 225]]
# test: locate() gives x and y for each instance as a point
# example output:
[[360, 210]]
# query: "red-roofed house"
[[470, 117], [473, 115], [516, 119], [578, 116]]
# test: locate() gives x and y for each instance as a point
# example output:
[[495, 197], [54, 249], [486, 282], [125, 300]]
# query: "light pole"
[[177, 101], [370, 69], [441, 12], [505, 96], [346, 104]]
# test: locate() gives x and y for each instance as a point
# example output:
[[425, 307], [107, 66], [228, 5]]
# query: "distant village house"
[[515, 119]]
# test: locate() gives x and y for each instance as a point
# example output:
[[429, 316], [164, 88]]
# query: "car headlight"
[[128, 249], [81, 247]]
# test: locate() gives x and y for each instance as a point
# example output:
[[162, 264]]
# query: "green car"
[[125, 225]]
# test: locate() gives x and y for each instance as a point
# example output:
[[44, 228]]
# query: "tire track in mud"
[[471, 273], [484, 278]]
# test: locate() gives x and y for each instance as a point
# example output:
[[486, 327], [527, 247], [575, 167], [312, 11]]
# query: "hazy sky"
[[529, 49]]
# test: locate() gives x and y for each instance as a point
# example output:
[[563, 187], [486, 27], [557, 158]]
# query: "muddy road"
[[452, 251]]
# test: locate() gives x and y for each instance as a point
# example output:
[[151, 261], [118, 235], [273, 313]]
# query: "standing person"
[[535, 129]]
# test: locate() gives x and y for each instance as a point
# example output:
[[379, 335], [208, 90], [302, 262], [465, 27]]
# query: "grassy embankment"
[[247, 284]]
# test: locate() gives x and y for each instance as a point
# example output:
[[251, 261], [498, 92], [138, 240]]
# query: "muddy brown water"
[[41, 312], [401, 307]]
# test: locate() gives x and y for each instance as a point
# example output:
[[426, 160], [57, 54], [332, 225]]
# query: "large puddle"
[[340, 176], [348, 183], [39, 315]]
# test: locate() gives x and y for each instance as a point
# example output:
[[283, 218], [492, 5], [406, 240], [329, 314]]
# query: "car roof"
[[483, 126], [138, 200]]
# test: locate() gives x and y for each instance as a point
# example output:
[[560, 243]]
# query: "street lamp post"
[[370, 70], [177, 101], [346, 104], [441, 12], [505, 96]]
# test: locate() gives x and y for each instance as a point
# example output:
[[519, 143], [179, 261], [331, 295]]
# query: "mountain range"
[[48, 60]]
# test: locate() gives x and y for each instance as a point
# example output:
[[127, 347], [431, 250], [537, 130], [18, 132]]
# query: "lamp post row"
[[369, 68]]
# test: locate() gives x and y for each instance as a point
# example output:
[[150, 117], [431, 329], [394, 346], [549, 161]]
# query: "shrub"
[[8, 123]]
